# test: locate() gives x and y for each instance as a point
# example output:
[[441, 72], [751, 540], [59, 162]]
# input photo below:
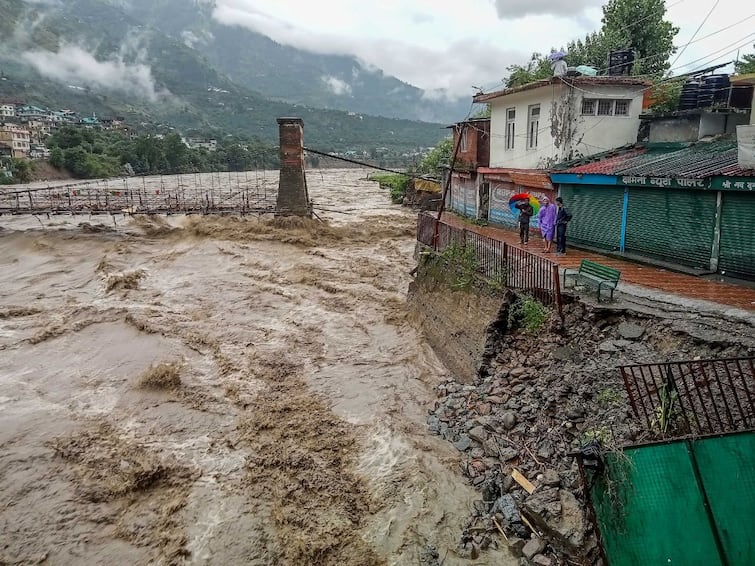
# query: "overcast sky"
[[452, 45]]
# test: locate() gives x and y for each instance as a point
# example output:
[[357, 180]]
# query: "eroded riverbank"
[[298, 432]]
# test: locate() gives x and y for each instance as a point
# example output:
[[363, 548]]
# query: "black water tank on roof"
[[716, 88], [688, 98], [620, 62]]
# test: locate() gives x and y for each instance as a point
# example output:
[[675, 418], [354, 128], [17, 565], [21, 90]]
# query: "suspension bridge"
[[228, 192]]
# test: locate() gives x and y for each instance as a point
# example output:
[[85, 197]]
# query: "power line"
[[705, 19]]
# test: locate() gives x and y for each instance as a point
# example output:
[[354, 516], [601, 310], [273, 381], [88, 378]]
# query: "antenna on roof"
[[478, 89]]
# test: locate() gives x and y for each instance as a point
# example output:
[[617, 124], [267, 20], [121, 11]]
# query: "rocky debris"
[[533, 547], [540, 398], [630, 331]]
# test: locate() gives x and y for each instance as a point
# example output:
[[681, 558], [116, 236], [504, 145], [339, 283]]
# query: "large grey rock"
[[551, 478], [464, 443], [506, 506], [608, 347], [565, 353], [630, 331], [508, 453], [478, 433], [509, 420], [572, 523], [534, 546]]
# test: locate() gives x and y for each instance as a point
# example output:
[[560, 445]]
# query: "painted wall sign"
[[503, 197], [664, 182]]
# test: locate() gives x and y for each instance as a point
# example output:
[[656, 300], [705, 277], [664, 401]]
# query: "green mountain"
[[289, 74], [131, 58]]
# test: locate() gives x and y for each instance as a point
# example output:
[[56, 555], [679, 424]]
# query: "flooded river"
[[221, 391]]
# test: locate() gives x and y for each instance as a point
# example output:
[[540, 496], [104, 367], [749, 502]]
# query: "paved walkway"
[[634, 273]]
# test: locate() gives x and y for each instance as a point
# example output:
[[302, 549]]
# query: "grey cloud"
[[74, 65], [513, 9], [449, 73]]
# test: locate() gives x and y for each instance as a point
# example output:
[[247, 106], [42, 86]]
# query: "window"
[[533, 126], [605, 107], [621, 108], [510, 127]]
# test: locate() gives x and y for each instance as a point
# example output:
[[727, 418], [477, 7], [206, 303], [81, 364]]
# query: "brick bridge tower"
[[293, 197]]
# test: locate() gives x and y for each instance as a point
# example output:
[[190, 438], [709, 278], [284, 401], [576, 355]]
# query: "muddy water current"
[[207, 390]]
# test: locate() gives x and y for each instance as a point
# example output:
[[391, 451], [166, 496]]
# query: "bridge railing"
[[187, 194], [495, 259]]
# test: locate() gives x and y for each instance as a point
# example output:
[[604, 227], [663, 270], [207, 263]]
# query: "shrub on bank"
[[395, 183]]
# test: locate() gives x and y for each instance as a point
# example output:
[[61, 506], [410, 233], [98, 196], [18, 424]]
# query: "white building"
[[539, 124], [7, 111], [199, 143]]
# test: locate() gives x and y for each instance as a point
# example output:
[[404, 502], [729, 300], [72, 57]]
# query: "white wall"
[[592, 134]]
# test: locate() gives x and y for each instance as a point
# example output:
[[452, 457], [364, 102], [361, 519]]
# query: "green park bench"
[[596, 275]]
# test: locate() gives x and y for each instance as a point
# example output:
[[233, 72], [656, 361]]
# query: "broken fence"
[[496, 260], [693, 398]]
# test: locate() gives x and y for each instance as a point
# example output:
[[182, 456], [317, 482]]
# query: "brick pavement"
[[635, 273]]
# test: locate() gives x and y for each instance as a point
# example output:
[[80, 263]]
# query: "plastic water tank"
[[688, 98]]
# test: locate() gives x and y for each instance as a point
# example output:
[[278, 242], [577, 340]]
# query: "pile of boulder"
[[539, 399]]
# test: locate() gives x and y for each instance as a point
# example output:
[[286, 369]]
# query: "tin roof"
[[697, 161], [575, 81]]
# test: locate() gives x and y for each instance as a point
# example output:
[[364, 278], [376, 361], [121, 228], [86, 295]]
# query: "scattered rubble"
[[539, 399]]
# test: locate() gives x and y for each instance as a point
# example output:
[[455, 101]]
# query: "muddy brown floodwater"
[[221, 391]]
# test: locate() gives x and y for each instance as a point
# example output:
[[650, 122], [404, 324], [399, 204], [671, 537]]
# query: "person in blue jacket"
[[563, 217]]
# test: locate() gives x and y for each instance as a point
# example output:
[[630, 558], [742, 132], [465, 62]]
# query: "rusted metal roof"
[[700, 160], [606, 166], [581, 82]]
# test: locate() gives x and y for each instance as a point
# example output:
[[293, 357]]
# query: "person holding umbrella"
[[525, 213]]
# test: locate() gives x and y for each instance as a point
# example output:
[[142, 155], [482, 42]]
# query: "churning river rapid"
[[222, 390]]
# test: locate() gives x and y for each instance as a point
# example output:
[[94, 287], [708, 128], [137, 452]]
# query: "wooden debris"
[[526, 484]]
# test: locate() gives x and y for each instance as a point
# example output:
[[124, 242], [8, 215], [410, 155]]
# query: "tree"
[[640, 25], [440, 154], [56, 157], [538, 67], [22, 170], [746, 64], [636, 24]]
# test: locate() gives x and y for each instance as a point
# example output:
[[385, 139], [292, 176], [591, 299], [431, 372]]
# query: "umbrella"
[[517, 198], [556, 55]]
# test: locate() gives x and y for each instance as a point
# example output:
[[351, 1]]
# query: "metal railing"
[[693, 398], [189, 194], [495, 259]]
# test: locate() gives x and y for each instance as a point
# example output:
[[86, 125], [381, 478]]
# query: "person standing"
[[525, 213], [546, 218], [562, 219]]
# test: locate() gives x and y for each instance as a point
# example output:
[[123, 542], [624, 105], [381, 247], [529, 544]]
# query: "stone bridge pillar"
[[293, 197]]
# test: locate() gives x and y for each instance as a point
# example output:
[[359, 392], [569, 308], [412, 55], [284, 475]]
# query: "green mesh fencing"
[[727, 470], [650, 503]]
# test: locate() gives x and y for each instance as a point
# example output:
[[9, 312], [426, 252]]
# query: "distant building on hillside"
[[7, 111], [17, 138], [201, 143], [29, 112]]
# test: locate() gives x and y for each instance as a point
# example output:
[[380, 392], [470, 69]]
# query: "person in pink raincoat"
[[546, 218]]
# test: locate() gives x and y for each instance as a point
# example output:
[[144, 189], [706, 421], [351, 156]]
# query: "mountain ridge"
[[42, 45]]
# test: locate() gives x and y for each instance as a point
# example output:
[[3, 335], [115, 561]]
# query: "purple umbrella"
[[556, 55]]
